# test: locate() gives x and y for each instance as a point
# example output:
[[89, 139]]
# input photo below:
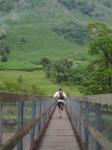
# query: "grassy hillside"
[[36, 78], [30, 28], [30, 23]]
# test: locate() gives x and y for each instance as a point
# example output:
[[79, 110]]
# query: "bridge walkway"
[[59, 134]]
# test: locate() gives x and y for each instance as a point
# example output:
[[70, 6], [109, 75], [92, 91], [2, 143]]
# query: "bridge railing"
[[91, 118], [22, 119]]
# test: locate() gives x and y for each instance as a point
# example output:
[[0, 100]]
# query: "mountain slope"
[[30, 26]]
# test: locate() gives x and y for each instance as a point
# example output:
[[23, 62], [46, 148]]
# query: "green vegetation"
[[99, 74], [84, 6], [65, 71], [32, 82], [55, 30], [15, 65], [30, 23], [74, 32], [4, 49]]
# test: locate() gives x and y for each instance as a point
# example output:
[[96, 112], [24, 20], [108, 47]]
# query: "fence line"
[[31, 114], [92, 125]]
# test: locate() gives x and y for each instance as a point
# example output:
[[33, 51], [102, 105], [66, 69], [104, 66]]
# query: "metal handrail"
[[79, 110], [11, 143]]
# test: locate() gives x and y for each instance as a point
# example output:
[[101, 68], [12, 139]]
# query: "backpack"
[[61, 96]]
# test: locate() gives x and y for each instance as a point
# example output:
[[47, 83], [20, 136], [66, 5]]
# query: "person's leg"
[[59, 109], [62, 106]]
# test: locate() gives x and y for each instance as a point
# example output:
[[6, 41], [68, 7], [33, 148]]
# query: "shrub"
[[4, 58]]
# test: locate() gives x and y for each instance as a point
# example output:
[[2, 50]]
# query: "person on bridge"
[[61, 97]]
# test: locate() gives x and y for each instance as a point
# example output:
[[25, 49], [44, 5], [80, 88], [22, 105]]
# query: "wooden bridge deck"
[[59, 135]]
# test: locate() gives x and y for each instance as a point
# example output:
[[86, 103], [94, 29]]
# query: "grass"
[[38, 44], [37, 78], [34, 25], [16, 65], [36, 28]]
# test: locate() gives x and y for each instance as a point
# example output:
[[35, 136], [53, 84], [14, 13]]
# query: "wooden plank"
[[59, 135]]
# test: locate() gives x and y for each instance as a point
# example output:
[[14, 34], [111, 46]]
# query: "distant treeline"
[[84, 6], [4, 48], [74, 32]]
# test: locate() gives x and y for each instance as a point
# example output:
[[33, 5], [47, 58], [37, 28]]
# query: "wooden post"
[[98, 123], [83, 113], [40, 109], [80, 113], [33, 117], [20, 121], [1, 131], [86, 130]]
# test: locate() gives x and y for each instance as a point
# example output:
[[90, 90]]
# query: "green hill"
[[47, 28], [30, 25]]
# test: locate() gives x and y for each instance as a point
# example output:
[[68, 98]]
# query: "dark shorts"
[[60, 105]]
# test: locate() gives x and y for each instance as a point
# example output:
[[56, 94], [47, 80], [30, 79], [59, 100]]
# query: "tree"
[[4, 49], [99, 80], [45, 61], [98, 29], [62, 69], [102, 46], [4, 58], [20, 79]]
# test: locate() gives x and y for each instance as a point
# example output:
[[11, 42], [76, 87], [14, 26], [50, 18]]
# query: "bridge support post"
[[1, 131], [98, 123], [33, 117], [20, 122], [85, 129], [39, 123], [80, 125]]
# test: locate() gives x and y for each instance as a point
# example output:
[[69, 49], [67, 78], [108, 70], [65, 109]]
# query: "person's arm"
[[55, 95], [64, 95]]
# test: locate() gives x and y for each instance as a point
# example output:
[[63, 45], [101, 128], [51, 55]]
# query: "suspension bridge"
[[30, 122]]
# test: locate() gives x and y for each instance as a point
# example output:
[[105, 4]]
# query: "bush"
[[37, 91], [4, 58], [20, 79]]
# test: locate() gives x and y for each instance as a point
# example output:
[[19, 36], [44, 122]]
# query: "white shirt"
[[56, 95]]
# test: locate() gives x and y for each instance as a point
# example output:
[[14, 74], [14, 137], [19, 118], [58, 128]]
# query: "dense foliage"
[[107, 3], [4, 49], [74, 32], [99, 78], [6, 6], [84, 6], [65, 71]]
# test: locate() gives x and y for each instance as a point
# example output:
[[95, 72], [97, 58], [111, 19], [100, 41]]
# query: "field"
[[37, 78]]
